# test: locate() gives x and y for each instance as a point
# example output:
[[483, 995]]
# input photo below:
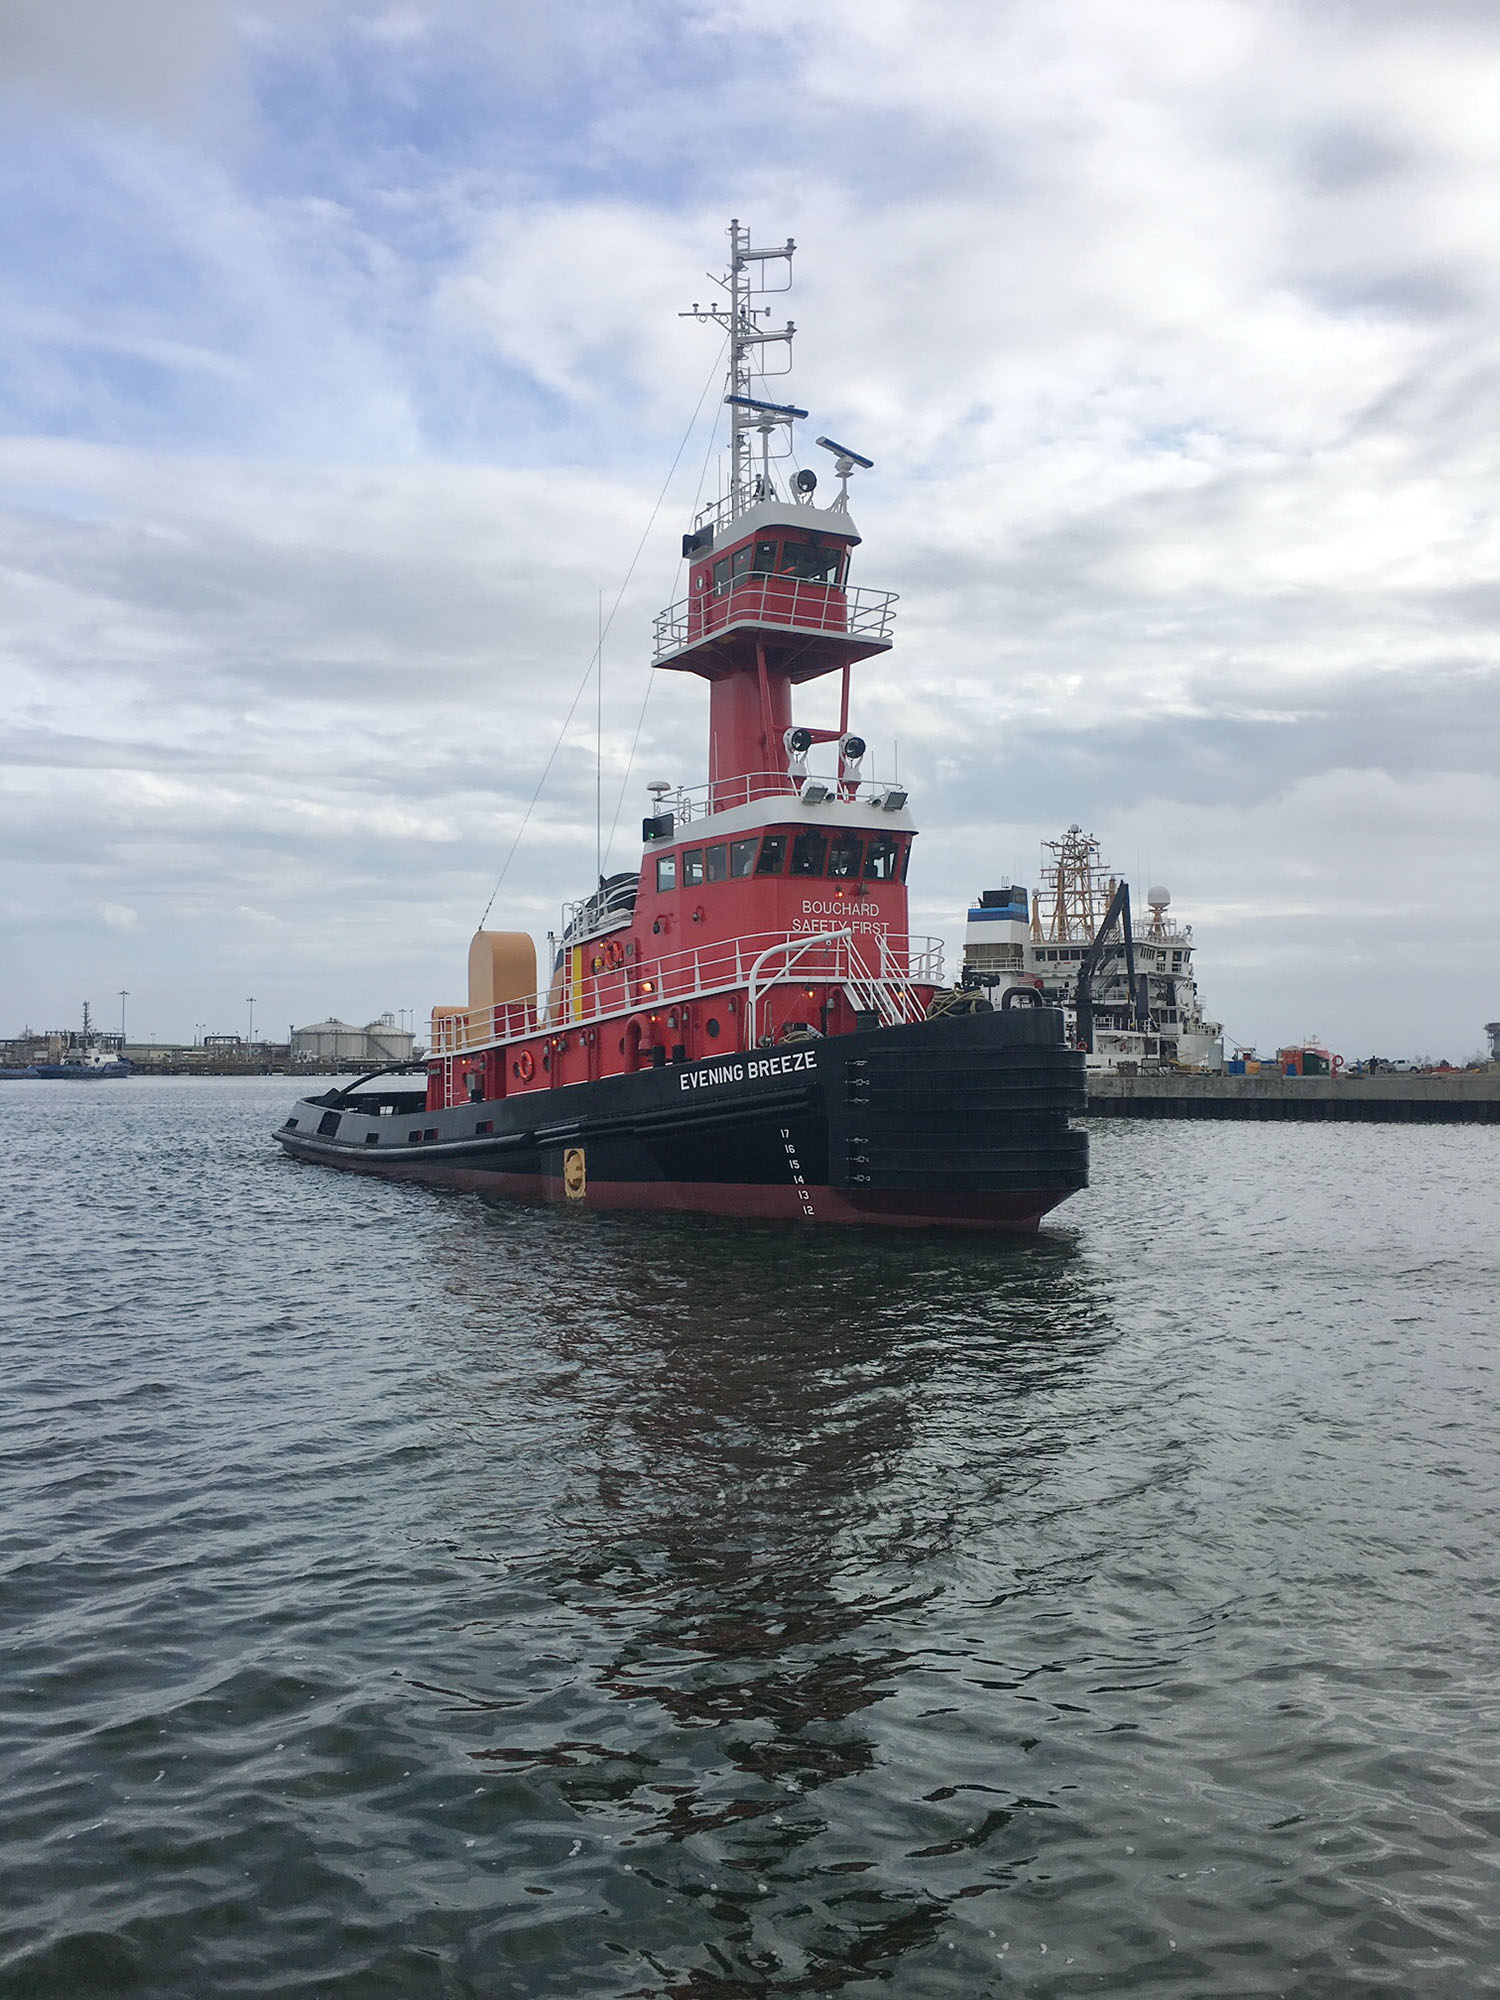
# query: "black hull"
[[958, 1121]]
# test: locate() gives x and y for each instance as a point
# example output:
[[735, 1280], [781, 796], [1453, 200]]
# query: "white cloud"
[[1167, 327], [574, 295]]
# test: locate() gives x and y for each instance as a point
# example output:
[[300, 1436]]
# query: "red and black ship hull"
[[962, 1121]]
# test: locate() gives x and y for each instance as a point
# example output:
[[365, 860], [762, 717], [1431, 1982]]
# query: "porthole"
[[711, 1029]]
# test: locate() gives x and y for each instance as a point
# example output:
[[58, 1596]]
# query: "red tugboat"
[[745, 1026]]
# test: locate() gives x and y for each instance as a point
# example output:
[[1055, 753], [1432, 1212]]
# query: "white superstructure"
[[1016, 939]]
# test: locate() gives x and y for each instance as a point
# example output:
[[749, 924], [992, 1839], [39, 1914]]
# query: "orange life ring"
[[526, 1065], [614, 954]]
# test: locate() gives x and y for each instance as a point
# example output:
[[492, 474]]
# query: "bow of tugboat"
[[745, 1024]]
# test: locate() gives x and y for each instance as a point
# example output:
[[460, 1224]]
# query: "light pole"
[[250, 1003], [124, 996]]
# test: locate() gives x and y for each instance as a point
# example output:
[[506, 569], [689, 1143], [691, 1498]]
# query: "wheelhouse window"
[[772, 855], [666, 871], [809, 562], [883, 858], [740, 562], [741, 857], [844, 857], [809, 851], [721, 576], [715, 863], [692, 868], [765, 559]]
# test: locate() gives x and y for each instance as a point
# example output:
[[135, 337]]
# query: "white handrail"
[[696, 974], [692, 802], [780, 602], [794, 948]]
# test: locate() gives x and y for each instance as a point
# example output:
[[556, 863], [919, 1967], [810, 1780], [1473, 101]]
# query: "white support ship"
[[1040, 941]]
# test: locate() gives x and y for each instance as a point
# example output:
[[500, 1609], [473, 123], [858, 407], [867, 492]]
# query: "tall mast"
[[769, 602], [743, 283], [1076, 880]]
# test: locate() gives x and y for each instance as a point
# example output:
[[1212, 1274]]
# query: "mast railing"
[[720, 513], [776, 603], [717, 514], [881, 974], [696, 802]]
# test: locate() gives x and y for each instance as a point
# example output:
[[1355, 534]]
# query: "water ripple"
[[404, 1596]]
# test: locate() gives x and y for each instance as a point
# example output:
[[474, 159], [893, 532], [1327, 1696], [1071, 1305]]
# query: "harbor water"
[[403, 1595]]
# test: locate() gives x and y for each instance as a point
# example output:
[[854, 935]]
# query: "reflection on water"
[[409, 1597], [780, 1442]]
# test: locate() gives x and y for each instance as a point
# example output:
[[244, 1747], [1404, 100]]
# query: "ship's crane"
[[1083, 1000]]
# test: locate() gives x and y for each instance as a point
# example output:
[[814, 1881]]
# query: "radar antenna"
[[844, 461]]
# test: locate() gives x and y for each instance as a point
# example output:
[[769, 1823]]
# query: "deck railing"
[[881, 975], [776, 601], [719, 514], [692, 802]]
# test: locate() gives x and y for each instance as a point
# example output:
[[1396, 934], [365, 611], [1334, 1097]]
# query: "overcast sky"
[[342, 374]]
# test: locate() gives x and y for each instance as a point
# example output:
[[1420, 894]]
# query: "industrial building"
[[336, 1042]]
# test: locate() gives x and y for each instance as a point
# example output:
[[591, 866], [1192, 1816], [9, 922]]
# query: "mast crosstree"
[[744, 283]]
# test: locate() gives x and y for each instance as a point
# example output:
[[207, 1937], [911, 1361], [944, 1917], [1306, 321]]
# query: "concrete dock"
[[1445, 1097]]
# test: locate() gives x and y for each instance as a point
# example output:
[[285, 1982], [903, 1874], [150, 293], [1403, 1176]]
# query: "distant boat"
[[84, 1061]]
